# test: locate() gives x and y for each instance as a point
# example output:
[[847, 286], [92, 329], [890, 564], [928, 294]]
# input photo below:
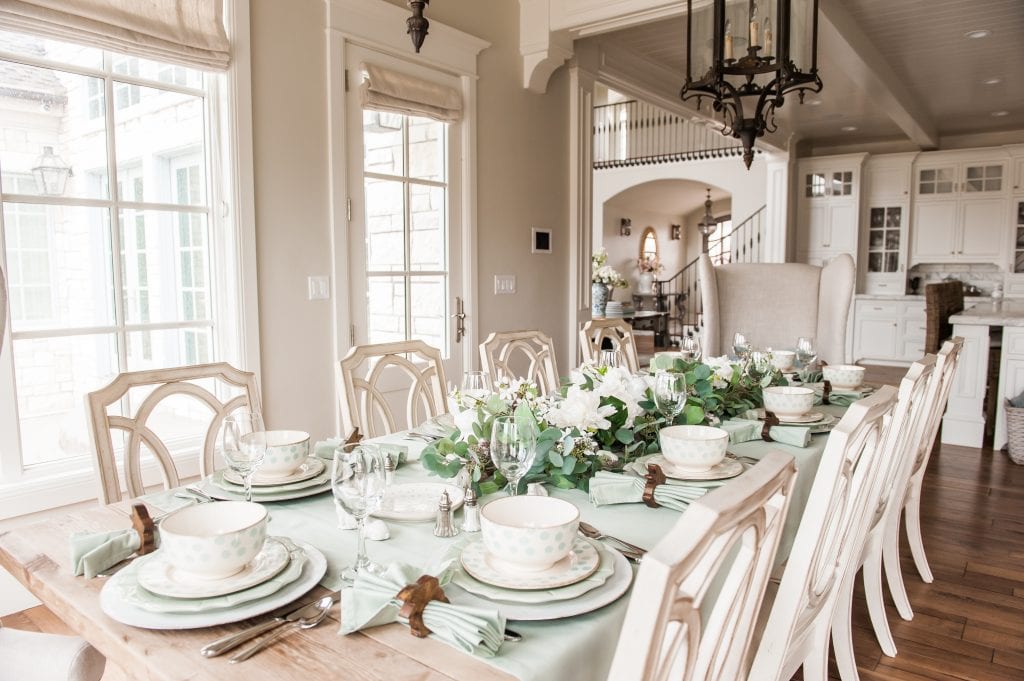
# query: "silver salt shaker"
[[444, 527], [470, 512], [389, 470]]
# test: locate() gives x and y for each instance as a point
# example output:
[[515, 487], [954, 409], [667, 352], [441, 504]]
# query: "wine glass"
[[669, 394], [513, 449], [358, 483], [690, 348], [610, 359], [759, 365], [740, 344], [244, 441], [476, 385], [806, 354]]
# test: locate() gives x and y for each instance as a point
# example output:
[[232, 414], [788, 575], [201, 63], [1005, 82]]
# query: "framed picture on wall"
[[541, 240]]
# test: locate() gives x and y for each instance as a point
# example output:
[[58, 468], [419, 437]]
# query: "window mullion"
[[407, 232], [113, 217]]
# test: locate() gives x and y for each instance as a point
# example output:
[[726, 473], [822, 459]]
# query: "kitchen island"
[[964, 422]]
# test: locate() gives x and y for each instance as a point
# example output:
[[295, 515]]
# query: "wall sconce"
[[676, 233], [625, 227]]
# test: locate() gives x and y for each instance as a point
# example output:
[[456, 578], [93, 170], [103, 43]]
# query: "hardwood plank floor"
[[967, 624]]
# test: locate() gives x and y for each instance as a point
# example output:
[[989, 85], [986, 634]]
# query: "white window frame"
[[232, 270]]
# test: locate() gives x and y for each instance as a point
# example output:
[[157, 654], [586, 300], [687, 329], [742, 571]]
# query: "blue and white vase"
[[598, 299]]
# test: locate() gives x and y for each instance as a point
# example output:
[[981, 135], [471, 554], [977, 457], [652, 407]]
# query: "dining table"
[[576, 647]]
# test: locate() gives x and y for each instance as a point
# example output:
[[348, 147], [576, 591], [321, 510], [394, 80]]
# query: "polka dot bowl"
[[286, 450], [213, 540], [529, 533], [843, 376], [693, 448]]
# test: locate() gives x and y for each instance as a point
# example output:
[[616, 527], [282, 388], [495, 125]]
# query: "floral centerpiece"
[[602, 418], [604, 279], [649, 264]]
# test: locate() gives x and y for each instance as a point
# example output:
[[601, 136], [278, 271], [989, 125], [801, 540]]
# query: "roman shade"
[[189, 32], [385, 89]]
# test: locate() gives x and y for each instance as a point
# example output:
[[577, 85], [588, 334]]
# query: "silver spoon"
[[305, 623]]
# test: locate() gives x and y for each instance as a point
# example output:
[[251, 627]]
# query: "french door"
[[405, 227]]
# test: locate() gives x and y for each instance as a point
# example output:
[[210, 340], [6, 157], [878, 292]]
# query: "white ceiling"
[[926, 60], [673, 198]]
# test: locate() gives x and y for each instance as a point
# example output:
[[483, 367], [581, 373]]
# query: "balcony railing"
[[637, 133]]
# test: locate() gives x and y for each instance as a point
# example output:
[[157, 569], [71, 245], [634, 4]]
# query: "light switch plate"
[[504, 284], [319, 288]]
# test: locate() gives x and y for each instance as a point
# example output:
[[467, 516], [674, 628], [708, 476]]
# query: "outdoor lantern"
[[51, 173], [745, 56]]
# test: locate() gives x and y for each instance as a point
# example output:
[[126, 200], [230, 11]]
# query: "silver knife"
[[222, 645]]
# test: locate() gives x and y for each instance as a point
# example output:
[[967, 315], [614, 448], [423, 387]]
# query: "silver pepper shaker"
[[470, 512], [444, 527], [389, 470]]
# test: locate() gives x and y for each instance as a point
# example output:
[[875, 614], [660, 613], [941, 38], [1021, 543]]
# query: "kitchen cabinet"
[[888, 331], [885, 248], [828, 207], [959, 230], [949, 179], [1018, 174]]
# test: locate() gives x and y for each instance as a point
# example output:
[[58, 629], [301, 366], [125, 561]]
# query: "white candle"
[[753, 32], [728, 46]]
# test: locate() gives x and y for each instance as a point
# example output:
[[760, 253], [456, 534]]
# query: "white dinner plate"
[[496, 593], [582, 561], [317, 480], [217, 492], [310, 468], [726, 468], [133, 594], [116, 607], [607, 593], [156, 573], [803, 419], [416, 501]]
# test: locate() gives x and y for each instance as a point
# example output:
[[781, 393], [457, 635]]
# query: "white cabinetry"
[[888, 330], [827, 207], [960, 209], [885, 222]]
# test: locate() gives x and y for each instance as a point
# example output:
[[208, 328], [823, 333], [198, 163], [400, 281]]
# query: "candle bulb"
[[754, 25], [767, 37], [728, 39]]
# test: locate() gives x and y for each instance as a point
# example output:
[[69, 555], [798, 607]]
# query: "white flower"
[[607, 458], [722, 370], [464, 421], [624, 386], [582, 409]]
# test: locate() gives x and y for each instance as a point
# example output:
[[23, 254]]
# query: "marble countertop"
[[968, 300], [1005, 313]]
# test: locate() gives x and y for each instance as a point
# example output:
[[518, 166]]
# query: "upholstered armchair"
[[776, 303]]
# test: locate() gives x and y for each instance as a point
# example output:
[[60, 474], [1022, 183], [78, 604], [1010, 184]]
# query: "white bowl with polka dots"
[[286, 450], [213, 540], [529, 533]]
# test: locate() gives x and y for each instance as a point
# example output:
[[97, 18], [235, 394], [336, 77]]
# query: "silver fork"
[[592, 532]]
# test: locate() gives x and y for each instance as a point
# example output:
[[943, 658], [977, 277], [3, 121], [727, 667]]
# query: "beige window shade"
[[189, 32], [388, 90]]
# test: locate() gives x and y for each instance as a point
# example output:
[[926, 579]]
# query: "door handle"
[[460, 320]]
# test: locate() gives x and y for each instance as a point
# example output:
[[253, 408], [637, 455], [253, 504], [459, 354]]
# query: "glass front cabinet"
[[886, 243]]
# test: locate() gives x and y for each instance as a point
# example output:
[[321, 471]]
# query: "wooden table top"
[[39, 557]]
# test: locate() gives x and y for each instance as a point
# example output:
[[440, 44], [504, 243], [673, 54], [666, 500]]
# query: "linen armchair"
[[776, 303]]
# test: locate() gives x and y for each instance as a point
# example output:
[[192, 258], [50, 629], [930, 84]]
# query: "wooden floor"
[[968, 624]]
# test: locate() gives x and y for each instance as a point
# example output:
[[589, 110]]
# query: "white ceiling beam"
[[839, 33]]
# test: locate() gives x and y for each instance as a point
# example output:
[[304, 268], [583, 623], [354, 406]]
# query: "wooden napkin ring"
[[145, 528], [355, 437], [414, 599], [770, 420], [826, 391], [655, 476]]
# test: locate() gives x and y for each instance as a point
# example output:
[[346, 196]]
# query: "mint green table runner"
[[572, 648]]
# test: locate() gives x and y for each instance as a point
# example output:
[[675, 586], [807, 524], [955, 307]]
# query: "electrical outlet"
[[319, 288], [504, 284]]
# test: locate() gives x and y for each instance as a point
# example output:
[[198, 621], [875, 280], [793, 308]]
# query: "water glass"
[[669, 394], [358, 483], [244, 446], [690, 348], [740, 344], [477, 385], [512, 449], [806, 353], [610, 359]]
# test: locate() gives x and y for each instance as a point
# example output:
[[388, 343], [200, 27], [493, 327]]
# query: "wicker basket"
[[1014, 432]]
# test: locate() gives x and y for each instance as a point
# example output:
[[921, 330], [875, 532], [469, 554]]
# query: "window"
[[111, 272], [649, 245], [406, 192], [720, 243]]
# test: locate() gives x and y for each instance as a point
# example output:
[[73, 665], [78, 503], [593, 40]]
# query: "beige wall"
[[623, 251], [522, 177]]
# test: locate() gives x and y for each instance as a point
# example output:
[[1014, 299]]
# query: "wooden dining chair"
[[910, 495], [828, 542], [203, 382], [898, 450], [665, 634], [375, 383], [521, 354], [617, 332]]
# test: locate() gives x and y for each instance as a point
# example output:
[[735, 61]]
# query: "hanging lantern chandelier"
[[417, 24], [745, 56], [708, 223]]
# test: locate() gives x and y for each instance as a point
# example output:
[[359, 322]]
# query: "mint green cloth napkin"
[[325, 448], [748, 429], [93, 553], [371, 602], [615, 488]]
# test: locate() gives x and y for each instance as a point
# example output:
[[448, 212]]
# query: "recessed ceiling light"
[[992, 81], [814, 102], [980, 33], [1000, 114], [848, 128]]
